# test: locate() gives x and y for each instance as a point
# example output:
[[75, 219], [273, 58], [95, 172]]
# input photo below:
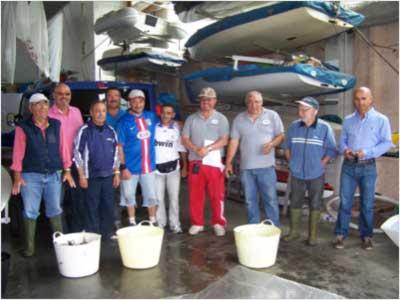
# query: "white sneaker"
[[176, 230], [219, 230], [195, 229]]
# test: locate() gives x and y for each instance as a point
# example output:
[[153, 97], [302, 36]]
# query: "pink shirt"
[[70, 124], [20, 146]]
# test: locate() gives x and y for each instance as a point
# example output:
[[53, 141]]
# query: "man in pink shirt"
[[71, 120], [40, 153]]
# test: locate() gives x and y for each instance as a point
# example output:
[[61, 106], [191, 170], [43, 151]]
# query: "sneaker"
[[338, 243], [176, 230], [132, 222], [219, 230], [367, 244], [195, 229]]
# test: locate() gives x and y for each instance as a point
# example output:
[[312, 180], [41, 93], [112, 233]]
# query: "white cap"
[[207, 92], [136, 93], [37, 97]]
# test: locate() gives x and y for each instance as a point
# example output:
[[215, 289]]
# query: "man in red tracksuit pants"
[[205, 134]]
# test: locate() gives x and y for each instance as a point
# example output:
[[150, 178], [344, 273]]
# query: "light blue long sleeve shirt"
[[371, 134]]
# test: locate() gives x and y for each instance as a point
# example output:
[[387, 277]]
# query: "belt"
[[361, 162]]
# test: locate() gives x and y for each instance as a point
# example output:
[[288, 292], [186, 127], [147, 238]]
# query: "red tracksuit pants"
[[212, 179]]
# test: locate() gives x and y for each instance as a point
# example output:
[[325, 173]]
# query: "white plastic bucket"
[[257, 244], [140, 246], [78, 254], [391, 228]]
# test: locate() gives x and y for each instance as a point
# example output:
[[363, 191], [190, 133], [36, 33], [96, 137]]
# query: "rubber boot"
[[312, 227], [30, 230], [56, 223], [295, 217]]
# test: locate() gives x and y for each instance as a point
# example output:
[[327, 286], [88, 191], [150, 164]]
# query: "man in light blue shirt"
[[366, 135], [114, 111]]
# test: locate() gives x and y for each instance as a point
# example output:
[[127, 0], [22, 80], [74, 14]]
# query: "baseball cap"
[[136, 93], [207, 92], [309, 102], [37, 97]]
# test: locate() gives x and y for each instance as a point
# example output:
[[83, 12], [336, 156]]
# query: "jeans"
[[74, 204], [38, 185], [171, 181], [128, 190], [353, 175], [100, 206], [315, 188], [261, 181]]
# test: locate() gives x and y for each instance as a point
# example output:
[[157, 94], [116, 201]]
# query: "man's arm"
[[274, 143], [232, 149]]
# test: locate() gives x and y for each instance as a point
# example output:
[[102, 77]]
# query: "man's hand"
[[360, 154], [83, 182], [228, 170], [67, 177], [126, 174], [348, 154], [267, 148], [18, 182], [116, 180], [184, 172], [203, 151]]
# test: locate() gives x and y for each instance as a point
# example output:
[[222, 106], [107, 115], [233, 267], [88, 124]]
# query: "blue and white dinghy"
[[284, 26]]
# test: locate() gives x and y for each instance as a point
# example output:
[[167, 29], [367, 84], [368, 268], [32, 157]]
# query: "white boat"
[[151, 59], [129, 25], [282, 83], [284, 26]]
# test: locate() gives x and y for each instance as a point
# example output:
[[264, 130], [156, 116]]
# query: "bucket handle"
[[145, 222], [56, 235], [266, 221]]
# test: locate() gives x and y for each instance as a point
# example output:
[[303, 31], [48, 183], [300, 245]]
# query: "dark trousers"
[[100, 206], [314, 187]]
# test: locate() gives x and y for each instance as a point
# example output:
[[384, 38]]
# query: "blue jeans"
[[363, 176], [38, 185], [261, 181]]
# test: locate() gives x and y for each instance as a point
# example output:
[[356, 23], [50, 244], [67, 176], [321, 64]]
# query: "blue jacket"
[[42, 155], [95, 150], [308, 146]]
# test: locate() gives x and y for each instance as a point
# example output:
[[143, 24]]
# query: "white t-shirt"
[[168, 143]]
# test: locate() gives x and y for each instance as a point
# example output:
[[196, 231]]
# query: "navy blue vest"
[[42, 155]]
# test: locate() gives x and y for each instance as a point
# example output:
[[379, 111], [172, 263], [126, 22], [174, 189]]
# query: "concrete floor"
[[190, 264]]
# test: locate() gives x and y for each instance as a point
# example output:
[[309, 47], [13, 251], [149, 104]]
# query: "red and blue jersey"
[[136, 135]]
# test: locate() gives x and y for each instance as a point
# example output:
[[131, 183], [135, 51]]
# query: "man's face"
[[254, 105], [207, 104], [362, 101], [167, 114], [62, 96], [40, 109], [137, 104], [113, 99], [306, 114], [98, 113]]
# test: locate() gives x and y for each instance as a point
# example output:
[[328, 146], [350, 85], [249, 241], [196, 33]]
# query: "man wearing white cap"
[[40, 153], [309, 146], [136, 131], [205, 134]]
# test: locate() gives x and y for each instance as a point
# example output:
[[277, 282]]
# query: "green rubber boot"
[[312, 227], [295, 217], [56, 223], [30, 230]]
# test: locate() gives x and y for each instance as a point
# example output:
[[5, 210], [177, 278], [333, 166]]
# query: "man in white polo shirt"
[[168, 175]]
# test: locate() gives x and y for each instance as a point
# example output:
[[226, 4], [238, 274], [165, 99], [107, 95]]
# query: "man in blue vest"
[[40, 153]]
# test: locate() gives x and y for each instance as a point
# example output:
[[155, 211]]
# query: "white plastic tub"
[[257, 244], [140, 246], [391, 228], [78, 254]]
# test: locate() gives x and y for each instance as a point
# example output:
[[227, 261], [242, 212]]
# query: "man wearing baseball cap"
[[309, 146], [206, 131], [136, 130], [40, 153]]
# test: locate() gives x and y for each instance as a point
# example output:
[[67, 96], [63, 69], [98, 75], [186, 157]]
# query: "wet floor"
[[190, 264]]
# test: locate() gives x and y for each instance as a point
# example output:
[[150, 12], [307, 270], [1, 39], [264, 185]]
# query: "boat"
[[282, 83], [129, 25], [283, 26], [151, 59]]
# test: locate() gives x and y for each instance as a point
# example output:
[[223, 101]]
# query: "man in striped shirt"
[[137, 155]]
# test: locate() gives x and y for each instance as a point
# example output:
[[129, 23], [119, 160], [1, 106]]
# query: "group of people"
[[123, 148]]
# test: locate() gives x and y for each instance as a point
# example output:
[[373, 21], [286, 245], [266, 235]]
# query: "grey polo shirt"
[[199, 129], [254, 135]]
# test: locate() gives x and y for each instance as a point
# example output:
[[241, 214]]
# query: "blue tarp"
[[326, 7]]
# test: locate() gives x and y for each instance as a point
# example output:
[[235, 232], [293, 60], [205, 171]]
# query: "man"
[[137, 155], [96, 158], [365, 136], [71, 120], [168, 171], [40, 153], [309, 146], [258, 131], [205, 134]]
